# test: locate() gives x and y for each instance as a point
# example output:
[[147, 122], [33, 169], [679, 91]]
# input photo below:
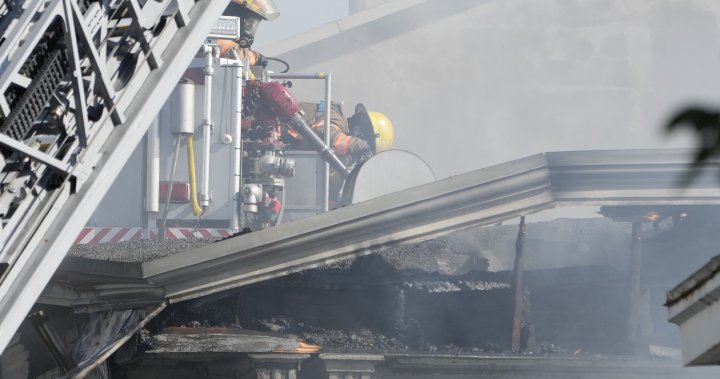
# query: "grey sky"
[[298, 16]]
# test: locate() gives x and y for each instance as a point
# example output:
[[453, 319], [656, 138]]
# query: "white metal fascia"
[[697, 313], [695, 301], [631, 177], [694, 305]]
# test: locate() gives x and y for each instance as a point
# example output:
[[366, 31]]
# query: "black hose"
[[287, 65]]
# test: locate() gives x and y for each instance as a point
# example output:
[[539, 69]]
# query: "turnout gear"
[[251, 12], [353, 139], [341, 140], [230, 49]]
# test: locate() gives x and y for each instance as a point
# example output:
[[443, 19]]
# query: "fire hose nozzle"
[[285, 106], [327, 153]]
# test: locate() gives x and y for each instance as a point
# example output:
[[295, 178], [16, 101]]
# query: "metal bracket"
[[74, 63], [106, 89], [134, 8], [35, 154], [20, 53], [182, 17], [21, 80], [21, 24]]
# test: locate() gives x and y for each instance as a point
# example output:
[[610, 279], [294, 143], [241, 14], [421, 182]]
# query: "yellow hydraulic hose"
[[197, 209]]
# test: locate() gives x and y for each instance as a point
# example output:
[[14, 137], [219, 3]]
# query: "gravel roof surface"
[[444, 255], [137, 251]]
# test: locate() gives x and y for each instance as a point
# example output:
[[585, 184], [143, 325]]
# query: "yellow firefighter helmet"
[[382, 130], [263, 8], [375, 127]]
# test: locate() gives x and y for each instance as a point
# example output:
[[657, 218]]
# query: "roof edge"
[[695, 281]]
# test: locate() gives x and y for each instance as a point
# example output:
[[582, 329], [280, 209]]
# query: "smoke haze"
[[474, 83]]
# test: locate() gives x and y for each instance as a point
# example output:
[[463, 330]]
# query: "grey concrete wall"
[[491, 81], [355, 6]]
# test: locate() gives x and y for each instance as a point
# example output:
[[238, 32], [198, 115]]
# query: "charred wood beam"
[[633, 325], [518, 285], [175, 340]]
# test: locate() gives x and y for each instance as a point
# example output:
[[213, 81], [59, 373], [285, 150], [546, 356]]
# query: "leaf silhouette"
[[706, 124]]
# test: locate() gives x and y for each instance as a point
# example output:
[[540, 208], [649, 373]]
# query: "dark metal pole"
[[634, 300], [326, 166], [518, 285], [163, 227], [55, 345]]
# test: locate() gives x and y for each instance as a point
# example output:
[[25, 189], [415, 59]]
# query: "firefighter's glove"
[[261, 60], [365, 155]]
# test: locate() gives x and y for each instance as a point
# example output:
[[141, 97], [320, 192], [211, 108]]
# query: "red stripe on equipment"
[[82, 235], [103, 232], [119, 235]]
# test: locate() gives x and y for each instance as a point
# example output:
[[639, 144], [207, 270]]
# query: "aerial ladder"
[[80, 82]]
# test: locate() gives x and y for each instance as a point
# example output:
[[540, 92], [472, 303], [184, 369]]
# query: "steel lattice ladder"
[[80, 82]]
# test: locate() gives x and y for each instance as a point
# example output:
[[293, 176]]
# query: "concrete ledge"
[[693, 305]]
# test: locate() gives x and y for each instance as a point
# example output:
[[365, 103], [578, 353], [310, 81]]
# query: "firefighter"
[[354, 139], [251, 13]]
